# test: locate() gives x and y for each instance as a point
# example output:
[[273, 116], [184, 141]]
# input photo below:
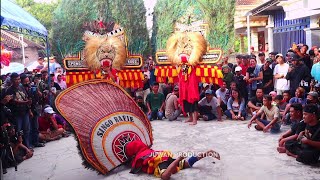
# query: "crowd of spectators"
[[268, 91], [27, 120]]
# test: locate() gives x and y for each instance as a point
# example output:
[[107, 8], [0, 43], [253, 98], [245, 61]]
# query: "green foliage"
[[217, 13], [71, 14]]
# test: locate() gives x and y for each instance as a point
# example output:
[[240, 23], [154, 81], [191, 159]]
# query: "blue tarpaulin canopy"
[[14, 16]]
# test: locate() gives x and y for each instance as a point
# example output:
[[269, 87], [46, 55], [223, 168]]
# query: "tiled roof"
[[249, 2], [11, 40]]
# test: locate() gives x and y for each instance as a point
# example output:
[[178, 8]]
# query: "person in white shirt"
[[279, 73], [223, 95], [209, 107]]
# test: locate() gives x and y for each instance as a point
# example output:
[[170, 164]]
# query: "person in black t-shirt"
[[256, 103], [267, 74], [306, 148], [297, 126]]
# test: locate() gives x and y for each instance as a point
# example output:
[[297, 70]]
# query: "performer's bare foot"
[[193, 123]]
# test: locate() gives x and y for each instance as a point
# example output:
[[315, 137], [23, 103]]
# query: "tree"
[[71, 14], [217, 13]]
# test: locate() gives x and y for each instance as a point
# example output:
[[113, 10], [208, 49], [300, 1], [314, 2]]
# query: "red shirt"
[[244, 69], [44, 124]]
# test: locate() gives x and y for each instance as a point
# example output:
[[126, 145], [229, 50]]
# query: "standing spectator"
[[253, 76], [256, 102], [152, 78], [272, 117], [227, 75], [306, 148], [238, 62], [280, 73], [272, 55], [209, 107], [302, 53], [236, 106], [245, 64], [223, 95], [225, 62], [172, 109], [239, 79], [20, 107], [299, 74], [315, 71], [155, 103], [297, 125], [262, 58], [62, 84], [267, 74]]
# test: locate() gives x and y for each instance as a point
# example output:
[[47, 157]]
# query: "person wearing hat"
[[299, 74], [306, 148], [312, 98], [209, 107], [239, 79], [267, 76], [48, 126], [172, 109], [205, 86], [280, 71]]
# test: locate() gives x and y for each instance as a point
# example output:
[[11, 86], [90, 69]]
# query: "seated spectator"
[[312, 98], [20, 151], [143, 107], [297, 125], [209, 107], [48, 127], [172, 109], [273, 94], [155, 103], [272, 117], [306, 148], [205, 86], [236, 106], [286, 96], [255, 103], [299, 98], [281, 104], [223, 95]]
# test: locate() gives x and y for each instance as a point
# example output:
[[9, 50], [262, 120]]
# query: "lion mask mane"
[[104, 51], [191, 45]]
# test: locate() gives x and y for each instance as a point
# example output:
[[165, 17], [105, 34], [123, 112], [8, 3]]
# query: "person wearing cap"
[[267, 76], [172, 108], [205, 86], [209, 107], [312, 98], [262, 58], [299, 74], [272, 121], [20, 107], [227, 75], [48, 126], [315, 87], [306, 147], [280, 71], [253, 76], [241, 83]]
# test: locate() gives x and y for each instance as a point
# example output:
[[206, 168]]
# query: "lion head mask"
[[186, 48], [102, 52]]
